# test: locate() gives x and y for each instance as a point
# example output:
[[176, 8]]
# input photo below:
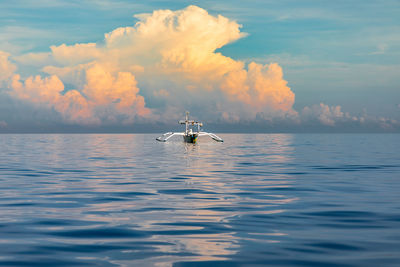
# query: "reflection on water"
[[128, 200], [231, 188]]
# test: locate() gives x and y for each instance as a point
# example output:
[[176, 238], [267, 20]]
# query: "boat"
[[191, 133]]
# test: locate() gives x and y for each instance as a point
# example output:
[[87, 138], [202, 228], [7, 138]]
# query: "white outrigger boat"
[[189, 136]]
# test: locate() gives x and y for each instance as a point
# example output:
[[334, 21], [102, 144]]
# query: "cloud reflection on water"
[[182, 202]]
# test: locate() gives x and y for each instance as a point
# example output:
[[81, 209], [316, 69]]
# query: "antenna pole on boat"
[[187, 120]]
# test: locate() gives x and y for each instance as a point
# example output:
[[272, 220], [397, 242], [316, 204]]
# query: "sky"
[[238, 66]]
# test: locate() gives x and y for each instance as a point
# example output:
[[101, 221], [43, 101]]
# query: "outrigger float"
[[190, 135]]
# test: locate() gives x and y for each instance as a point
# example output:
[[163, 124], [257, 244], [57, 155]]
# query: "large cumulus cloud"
[[168, 59]]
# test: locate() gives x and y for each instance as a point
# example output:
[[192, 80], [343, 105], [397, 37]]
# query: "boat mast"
[[187, 121]]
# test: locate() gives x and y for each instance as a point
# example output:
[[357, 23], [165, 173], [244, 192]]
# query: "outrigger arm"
[[166, 136], [213, 136]]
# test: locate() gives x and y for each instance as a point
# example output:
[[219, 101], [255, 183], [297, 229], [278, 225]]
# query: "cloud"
[[262, 87], [119, 92], [46, 92], [155, 70], [75, 54], [380, 49], [7, 69], [327, 115], [333, 117], [104, 97], [177, 48]]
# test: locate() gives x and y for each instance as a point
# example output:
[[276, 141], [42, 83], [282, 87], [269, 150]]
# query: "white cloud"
[[327, 115]]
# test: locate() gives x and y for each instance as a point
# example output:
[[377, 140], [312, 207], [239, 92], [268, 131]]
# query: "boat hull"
[[190, 138]]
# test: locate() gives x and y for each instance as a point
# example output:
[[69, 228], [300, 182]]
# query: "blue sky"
[[344, 53]]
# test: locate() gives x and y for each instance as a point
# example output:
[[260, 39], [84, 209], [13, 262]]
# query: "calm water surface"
[[254, 200]]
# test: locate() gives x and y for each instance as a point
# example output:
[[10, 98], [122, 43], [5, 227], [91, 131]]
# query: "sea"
[[253, 200]]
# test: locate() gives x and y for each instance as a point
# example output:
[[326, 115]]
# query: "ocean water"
[[254, 200]]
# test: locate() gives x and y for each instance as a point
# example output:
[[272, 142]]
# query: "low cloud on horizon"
[[152, 73]]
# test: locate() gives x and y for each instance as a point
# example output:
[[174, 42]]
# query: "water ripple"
[[254, 200]]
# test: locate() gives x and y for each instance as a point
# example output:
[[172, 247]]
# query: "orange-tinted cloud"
[[6, 67], [75, 54], [260, 87], [173, 52], [47, 92], [119, 91], [104, 96]]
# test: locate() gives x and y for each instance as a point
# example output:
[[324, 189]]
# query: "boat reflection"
[[221, 189]]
